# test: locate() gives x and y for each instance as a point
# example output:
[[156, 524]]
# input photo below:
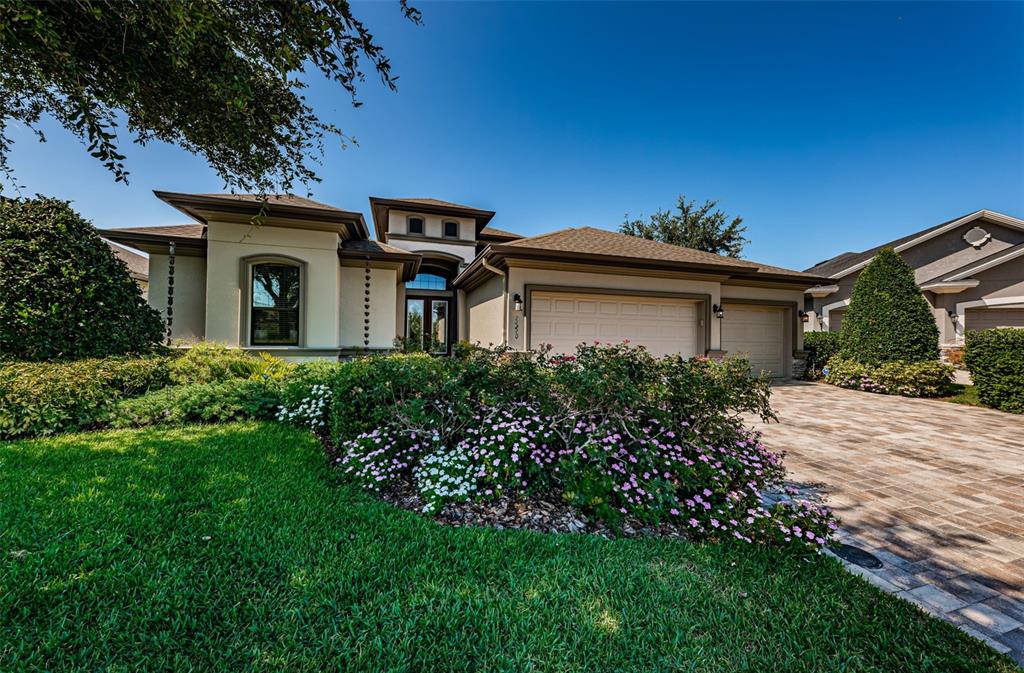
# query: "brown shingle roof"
[[436, 202], [138, 266], [375, 247], [173, 230], [592, 241], [497, 233]]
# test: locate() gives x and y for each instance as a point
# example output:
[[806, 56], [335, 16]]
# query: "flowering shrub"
[[309, 412], [917, 379], [611, 430]]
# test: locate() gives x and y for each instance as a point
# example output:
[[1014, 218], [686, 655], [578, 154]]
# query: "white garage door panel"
[[757, 333], [663, 325], [988, 318]]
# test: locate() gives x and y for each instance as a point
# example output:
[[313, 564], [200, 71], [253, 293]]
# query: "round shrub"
[[65, 295], [995, 358], [888, 319]]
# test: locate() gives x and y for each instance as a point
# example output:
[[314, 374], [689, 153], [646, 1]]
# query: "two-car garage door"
[[664, 325], [757, 333]]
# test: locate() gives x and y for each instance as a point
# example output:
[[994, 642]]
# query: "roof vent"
[[977, 237]]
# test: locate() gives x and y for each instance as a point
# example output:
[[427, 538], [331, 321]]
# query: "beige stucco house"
[[138, 265], [970, 270], [307, 281]]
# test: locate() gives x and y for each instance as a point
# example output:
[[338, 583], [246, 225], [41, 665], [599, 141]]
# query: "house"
[[307, 281], [138, 266], [970, 270]]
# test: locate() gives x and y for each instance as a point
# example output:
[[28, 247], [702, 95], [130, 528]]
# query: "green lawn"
[[233, 548], [964, 395]]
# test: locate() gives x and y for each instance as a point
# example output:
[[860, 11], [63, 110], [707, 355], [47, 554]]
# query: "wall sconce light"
[[953, 316], [804, 317], [517, 302], [718, 311]]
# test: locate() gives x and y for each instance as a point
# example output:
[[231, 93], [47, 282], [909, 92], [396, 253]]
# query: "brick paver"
[[934, 489]]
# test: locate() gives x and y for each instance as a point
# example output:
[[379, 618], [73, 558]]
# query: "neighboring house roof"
[[380, 207], [599, 246], [849, 262], [295, 210], [138, 266]]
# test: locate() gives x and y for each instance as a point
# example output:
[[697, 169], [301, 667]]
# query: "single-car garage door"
[[664, 325], [757, 333], [988, 318]]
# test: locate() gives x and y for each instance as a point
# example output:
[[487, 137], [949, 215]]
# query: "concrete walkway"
[[934, 490]]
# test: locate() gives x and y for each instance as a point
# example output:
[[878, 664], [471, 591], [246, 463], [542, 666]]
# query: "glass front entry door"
[[427, 325]]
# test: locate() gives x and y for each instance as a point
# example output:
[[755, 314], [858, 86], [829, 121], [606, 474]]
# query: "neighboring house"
[[970, 269], [308, 282], [138, 266]]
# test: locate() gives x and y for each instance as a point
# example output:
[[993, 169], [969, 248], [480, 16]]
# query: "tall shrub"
[[888, 319], [64, 293], [819, 346], [995, 358]]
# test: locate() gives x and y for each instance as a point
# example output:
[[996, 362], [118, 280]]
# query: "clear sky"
[[828, 127]]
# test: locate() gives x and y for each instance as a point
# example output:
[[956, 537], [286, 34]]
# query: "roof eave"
[[381, 206], [194, 206]]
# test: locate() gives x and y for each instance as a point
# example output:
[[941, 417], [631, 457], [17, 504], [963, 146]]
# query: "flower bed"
[[626, 440], [914, 379]]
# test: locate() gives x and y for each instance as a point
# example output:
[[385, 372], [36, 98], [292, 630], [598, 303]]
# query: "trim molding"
[[1013, 254]]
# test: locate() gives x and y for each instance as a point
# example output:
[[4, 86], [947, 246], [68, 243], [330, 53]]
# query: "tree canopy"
[[65, 294], [219, 78], [888, 319], [700, 227]]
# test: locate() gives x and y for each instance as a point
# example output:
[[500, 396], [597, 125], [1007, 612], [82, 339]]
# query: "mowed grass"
[[964, 394], [233, 548]]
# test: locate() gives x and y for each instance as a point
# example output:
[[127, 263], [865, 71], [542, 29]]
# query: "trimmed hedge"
[[995, 358], [65, 295], [47, 398], [909, 379], [888, 319], [820, 347]]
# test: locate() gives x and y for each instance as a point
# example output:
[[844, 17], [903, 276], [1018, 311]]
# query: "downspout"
[[504, 293]]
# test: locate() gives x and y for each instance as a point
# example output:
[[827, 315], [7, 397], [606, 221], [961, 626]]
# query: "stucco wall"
[[484, 313], [949, 252], [383, 299], [433, 239], [189, 294], [229, 244]]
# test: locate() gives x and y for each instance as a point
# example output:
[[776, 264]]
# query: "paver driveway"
[[934, 489]]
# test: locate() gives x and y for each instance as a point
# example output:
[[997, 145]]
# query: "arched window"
[[415, 225], [275, 304], [427, 281]]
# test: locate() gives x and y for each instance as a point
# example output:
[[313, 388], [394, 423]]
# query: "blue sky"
[[828, 127]]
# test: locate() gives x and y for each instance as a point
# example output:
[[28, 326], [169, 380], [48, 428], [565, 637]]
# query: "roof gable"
[[849, 262]]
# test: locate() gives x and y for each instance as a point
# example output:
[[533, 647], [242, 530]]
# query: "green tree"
[[888, 319], [65, 294], [699, 227], [220, 78]]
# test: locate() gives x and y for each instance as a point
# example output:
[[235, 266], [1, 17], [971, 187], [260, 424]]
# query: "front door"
[[427, 325]]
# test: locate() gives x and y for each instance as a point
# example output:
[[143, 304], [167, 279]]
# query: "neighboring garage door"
[[835, 319], [758, 333], [663, 325], [987, 318]]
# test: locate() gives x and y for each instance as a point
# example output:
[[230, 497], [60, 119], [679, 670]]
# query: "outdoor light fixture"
[[718, 311], [804, 317], [517, 302], [953, 316]]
